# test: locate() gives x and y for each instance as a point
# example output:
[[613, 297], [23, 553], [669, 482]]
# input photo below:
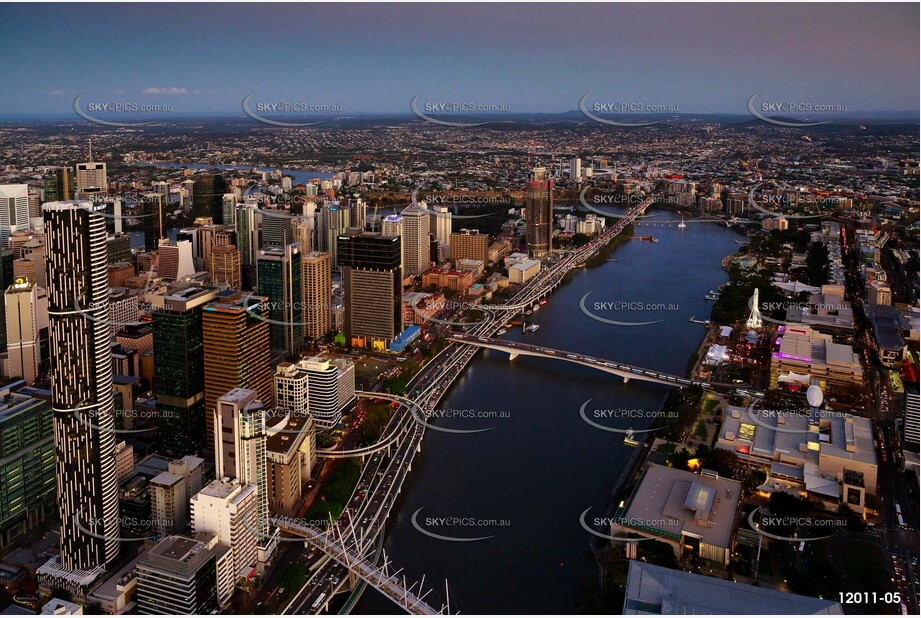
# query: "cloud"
[[56, 93], [170, 90]]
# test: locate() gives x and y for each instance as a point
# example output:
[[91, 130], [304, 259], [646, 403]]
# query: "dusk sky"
[[374, 58]]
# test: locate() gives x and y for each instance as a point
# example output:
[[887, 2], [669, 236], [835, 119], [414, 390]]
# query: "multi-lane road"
[[384, 473]]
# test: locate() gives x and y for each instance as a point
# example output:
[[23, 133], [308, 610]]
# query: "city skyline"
[[374, 58], [490, 309]]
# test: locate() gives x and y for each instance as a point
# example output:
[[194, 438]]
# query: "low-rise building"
[[827, 455], [448, 279], [522, 272], [694, 513], [802, 351], [657, 590]]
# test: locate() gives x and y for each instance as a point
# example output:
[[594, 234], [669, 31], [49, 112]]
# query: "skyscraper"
[[416, 242], [236, 338], [228, 208], [317, 298], [575, 169], [239, 448], [59, 185], [334, 221], [441, 227], [359, 213], [302, 230], [469, 245], [152, 207], [7, 268], [276, 228], [174, 259], [14, 211], [248, 220], [26, 314], [392, 225], [225, 267], [538, 201], [208, 197], [91, 177], [81, 384], [280, 279], [27, 465], [372, 279], [322, 387], [179, 367]]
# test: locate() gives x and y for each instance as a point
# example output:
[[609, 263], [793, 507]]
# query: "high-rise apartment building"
[[359, 213], [538, 201], [372, 278], [248, 221], [334, 220], [239, 449], [302, 231], [321, 387], [575, 169], [81, 385], [229, 510], [169, 504], [237, 353], [317, 297], [416, 241], [281, 281], [14, 211], [441, 228], [26, 315]]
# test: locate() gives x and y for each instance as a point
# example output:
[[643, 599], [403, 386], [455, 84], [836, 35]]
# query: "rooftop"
[[656, 590]]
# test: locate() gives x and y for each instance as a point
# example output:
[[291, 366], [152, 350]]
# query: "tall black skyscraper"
[[81, 384], [208, 195], [373, 281]]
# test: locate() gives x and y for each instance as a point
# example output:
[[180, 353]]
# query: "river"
[[300, 177], [533, 475]]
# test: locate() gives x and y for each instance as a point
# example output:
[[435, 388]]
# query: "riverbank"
[[541, 563]]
